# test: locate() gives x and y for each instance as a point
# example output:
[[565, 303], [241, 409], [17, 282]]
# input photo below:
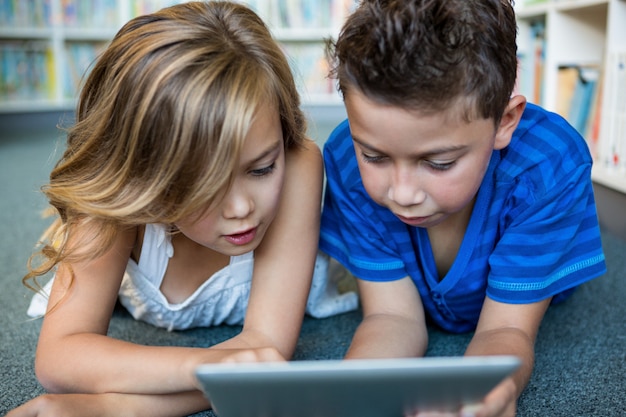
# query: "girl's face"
[[239, 222], [424, 168]]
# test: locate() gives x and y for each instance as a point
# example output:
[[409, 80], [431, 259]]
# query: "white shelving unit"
[[582, 32], [64, 41]]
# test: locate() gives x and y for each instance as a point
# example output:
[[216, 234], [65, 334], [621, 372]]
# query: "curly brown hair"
[[427, 55]]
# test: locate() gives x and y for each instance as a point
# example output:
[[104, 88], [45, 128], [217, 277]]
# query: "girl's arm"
[[393, 321], [284, 262], [74, 353], [112, 405]]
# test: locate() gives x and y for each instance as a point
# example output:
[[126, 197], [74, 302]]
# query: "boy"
[[452, 201]]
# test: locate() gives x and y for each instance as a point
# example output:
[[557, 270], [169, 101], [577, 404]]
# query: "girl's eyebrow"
[[271, 148], [431, 152]]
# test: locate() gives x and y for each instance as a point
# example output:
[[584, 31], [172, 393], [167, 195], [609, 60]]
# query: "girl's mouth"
[[243, 238]]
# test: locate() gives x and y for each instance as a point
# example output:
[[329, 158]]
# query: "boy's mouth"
[[413, 221]]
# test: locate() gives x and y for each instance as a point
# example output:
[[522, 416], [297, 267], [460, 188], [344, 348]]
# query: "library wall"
[[572, 56], [572, 60], [46, 46]]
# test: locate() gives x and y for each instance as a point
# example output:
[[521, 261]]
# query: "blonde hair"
[[160, 124]]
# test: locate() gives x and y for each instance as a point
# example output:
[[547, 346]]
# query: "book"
[[567, 78], [25, 70], [25, 13], [310, 68], [80, 57], [301, 14], [612, 152], [583, 97], [530, 59], [539, 46], [595, 118], [90, 13]]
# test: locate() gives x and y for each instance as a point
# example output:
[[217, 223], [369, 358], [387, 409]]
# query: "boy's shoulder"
[[338, 137], [339, 150], [548, 131], [546, 144]]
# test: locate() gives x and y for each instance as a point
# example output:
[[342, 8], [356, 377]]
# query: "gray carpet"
[[581, 350]]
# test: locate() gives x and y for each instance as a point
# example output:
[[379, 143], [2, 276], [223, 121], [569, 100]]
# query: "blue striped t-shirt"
[[533, 232]]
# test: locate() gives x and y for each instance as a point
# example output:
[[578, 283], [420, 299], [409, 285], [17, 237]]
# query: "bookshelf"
[[47, 45], [590, 35]]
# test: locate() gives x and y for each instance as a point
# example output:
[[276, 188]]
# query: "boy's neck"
[[446, 238]]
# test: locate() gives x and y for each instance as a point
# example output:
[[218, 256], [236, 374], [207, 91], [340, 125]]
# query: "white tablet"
[[359, 388]]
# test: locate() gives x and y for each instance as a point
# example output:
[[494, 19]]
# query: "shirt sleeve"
[[354, 229], [551, 242]]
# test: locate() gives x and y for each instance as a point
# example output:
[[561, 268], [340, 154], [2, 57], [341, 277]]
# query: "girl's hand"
[[241, 355], [500, 402], [68, 405], [113, 405], [264, 354]]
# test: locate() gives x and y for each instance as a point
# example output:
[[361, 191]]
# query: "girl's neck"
[[191, 266]]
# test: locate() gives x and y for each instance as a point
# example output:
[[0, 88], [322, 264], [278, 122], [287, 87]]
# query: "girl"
[[188, 160]]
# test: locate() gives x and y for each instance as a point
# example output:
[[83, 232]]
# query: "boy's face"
[[424, 168]]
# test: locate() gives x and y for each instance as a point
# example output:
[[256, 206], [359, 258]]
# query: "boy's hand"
[[500, 402]]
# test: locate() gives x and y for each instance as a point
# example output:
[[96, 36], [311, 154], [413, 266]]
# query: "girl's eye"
[[261, 172], [440, 166]]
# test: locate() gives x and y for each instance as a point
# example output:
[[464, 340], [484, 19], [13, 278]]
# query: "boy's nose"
[[405, 190]]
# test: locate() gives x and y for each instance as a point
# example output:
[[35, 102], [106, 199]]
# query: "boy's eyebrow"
[[436, 151]]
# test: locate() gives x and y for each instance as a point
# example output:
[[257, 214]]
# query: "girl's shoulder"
[[305, 160], [307, 149], [93, 237]]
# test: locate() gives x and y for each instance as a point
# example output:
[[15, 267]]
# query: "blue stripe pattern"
[[533, 233]]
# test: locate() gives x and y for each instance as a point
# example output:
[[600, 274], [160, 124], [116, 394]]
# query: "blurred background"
[[572, 60]]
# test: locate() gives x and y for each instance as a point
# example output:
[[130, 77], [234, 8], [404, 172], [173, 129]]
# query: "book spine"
[[90, 13], [80, 57], [613, 130], [25, 70], [25, 13]]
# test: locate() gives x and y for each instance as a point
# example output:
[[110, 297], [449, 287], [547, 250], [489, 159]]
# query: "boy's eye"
[[440, 166], [372, 158], [263, 171]]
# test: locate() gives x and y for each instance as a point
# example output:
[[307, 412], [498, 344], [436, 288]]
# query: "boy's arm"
[[393, 321], [508, 329]]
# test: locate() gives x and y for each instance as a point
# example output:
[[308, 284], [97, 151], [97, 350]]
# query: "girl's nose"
[[238, 204]]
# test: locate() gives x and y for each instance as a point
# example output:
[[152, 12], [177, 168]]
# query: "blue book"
[[582, 99]]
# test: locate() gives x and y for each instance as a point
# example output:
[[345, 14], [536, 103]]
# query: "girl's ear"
[[509, 121]]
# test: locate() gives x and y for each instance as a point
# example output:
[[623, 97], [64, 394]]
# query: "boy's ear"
[[509, 121]]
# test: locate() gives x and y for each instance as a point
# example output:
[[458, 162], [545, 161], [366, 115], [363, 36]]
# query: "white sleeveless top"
[[222, 299]]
